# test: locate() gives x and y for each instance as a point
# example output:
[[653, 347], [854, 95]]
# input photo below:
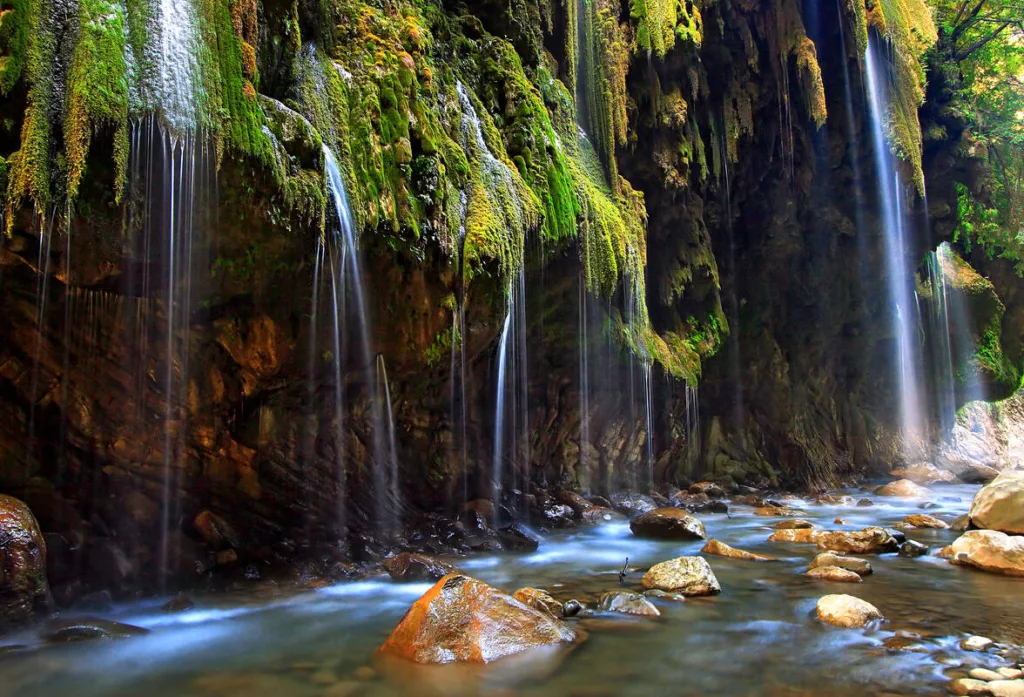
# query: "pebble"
[[970, 688], [1007, 688], [1010, 673], [984, 674], [976, 643], [839, 521], [365, 673]]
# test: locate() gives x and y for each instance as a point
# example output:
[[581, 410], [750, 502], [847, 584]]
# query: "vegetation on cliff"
[[982, 52]]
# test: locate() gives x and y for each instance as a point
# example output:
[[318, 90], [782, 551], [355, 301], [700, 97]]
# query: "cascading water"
[[947, 329], [346, 284], [584, 361], [178, 89], [499, 411], [900, 290], [388, 480], [173, 176]]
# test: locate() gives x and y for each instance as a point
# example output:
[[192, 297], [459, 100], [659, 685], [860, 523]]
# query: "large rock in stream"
[[462, 620], [903, 488], [23, 587], [416, 568], [988, 550], [867, 541], [846, 611], [687, 576], [1000, 504], [668, 524]]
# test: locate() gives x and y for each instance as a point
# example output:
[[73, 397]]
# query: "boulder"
[[925, 473], [920, 520], [688, 576], [464, 620], [628, 603], [86, 629], [1000, 504], [631, 505], [23, 587], [833, 573], [558, 515], [867, 541], [960, 523], [540, 600], [846, 611], [979, 474], [903, 488], [969, 687], [802, 536], [780, 511], [857, 566], [1006, 688], [977, 643], [988, 550], [723, 550], [795, 524], [911, 549], [597, 514], [216, 532], [709, 489], [668, 524], [416, 568]]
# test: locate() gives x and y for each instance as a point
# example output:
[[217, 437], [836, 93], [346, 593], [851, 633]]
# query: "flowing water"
[[894, 230], [759, 637], [389, 484]]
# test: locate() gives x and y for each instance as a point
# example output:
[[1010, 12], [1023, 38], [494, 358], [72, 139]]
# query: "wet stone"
[[911, 549], [627, 603], [977, 643], [87, 629]]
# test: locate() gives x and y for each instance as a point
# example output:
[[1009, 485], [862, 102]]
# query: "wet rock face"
[[988, 550], [23, 586], [462, 620], [1000, 504], [846, 611], [631, 505], [688, 576], [415, 568], [668, 524]]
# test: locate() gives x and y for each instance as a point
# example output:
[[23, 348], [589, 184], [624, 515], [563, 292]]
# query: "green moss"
[[97, 90], [237, 119], [909, 28], [16, 27], [30, 168]]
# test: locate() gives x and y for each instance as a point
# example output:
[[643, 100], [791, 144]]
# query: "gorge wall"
[[714, 235]]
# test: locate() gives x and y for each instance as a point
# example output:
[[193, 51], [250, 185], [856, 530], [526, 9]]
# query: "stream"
[[759, 637]]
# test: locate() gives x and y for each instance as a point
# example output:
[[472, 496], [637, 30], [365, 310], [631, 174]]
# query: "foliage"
[[982, 48]]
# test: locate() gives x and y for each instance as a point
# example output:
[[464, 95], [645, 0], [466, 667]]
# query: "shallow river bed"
[[759, 637]]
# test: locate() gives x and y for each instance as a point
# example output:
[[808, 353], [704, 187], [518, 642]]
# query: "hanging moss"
[[97, 90], [910, 30], [16, 27], [30, 167]]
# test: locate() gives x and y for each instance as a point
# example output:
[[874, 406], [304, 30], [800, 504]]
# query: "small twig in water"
[[625, 570]]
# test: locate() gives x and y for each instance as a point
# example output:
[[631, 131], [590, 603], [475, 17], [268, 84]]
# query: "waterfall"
[[948, 330], [179, 49], [583, 477], [388, 487], [173, 181], [900, 290], [347, 286], [499, 412]]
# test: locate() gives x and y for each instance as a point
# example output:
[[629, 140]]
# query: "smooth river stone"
[[846, 611], [721, 549], [688, 576], [833, 573]]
